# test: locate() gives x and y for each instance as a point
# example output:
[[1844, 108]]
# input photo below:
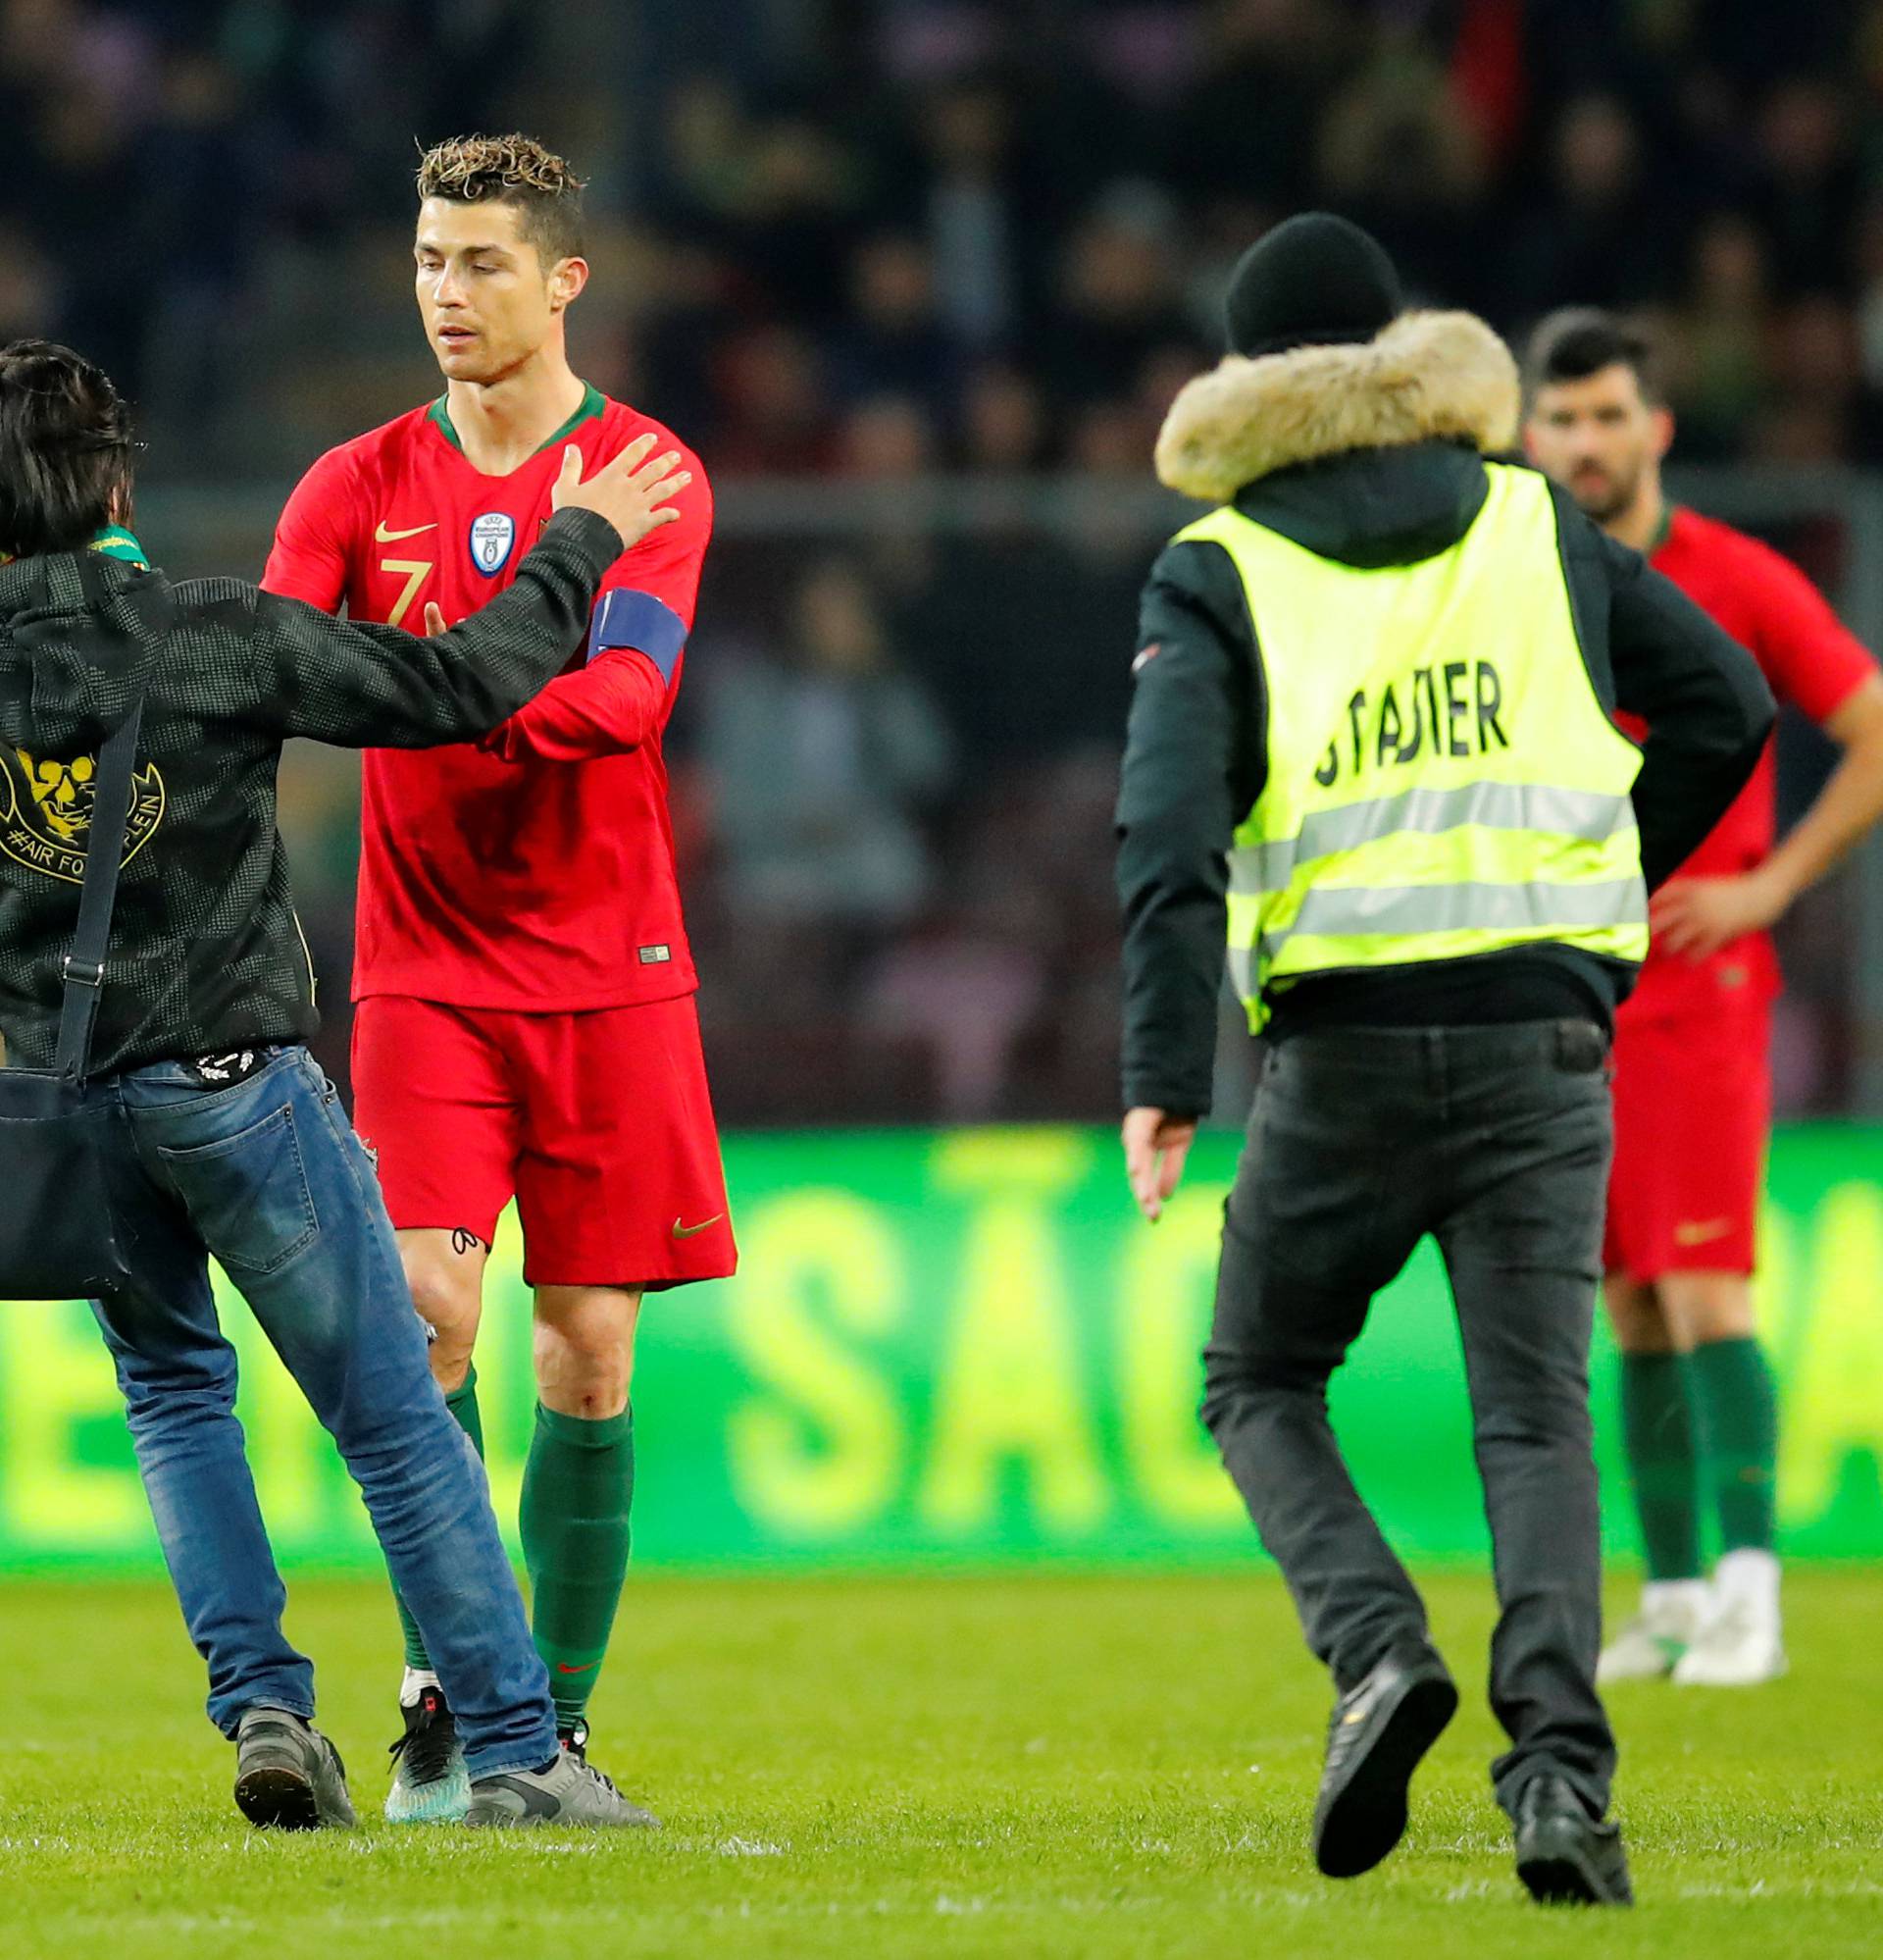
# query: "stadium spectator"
[[1004, 429], [824, 761], [1721, 334], [1596, 233], [894, 340], [1119, 302]]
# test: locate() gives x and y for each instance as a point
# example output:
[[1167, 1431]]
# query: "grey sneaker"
[[568, 1791], [288, 1776]]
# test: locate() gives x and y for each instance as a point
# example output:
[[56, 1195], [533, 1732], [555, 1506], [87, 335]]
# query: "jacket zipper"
[[313, 981]]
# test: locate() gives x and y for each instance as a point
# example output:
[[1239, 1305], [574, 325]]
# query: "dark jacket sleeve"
[[1653, 652], [1193, 768], [362, 685]]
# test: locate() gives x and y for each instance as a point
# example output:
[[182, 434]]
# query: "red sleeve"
[[309, 557], [1812, 659], [626, 693], [666, 563], [615, 703]]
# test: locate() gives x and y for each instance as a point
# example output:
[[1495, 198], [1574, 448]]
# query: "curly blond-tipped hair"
[[514, 169]]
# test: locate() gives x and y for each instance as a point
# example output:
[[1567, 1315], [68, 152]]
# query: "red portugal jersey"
[[1813, 662], [533, 870]]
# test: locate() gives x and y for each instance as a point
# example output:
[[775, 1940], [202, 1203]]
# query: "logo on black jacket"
[[45, 811]]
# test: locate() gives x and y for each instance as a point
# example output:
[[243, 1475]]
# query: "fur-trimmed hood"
[[1427, 376]]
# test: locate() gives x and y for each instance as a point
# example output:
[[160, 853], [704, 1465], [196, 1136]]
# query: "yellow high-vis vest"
[[1442, 779]]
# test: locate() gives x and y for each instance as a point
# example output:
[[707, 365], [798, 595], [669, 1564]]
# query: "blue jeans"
[[268, 1175]]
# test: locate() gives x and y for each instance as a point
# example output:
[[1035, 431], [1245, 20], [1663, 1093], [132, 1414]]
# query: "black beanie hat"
[[1313, 280]]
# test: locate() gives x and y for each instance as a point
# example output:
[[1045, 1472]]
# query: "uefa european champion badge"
[[494, 537]]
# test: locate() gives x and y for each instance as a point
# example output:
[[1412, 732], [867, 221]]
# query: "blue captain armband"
[[640, 621]]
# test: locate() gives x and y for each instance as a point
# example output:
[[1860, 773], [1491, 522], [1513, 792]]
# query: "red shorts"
[[599, 1124], [1693, 1117]]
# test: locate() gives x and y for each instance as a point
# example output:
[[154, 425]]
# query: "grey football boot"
[[288, 1776], [570, 1791]]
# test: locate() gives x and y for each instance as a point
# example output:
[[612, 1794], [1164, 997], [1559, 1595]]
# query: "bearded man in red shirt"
[[1692, 1089], [526, 1023]]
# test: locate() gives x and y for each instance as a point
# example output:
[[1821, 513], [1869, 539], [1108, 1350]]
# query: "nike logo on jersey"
[[385, 535], [1699, 1232], [694, 1231]]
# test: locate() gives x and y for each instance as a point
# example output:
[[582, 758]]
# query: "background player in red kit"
[[1692, 1074], [526, 1023]]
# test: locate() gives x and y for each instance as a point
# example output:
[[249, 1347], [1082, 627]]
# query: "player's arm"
[[642, 618], [309, 558], [1820, 665], [1191, 771], [1653, 652]]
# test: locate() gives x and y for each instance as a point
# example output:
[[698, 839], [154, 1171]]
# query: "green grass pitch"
[[1046, 1765]]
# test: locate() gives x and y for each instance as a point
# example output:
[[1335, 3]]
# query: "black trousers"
[[1496, 1140]]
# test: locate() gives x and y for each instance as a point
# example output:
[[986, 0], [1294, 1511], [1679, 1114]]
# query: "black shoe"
[[288, 1776], [429, 1781], [1565, 1856], [1379, 1731]]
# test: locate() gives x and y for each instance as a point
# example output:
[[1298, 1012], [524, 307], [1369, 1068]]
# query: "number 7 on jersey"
[[416, 571]]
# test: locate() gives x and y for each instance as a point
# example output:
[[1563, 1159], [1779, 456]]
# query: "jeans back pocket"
[[248, 1195]]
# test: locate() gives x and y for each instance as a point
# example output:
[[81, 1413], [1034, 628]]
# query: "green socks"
[[577, 1491], [1736, 1405], [1718, 1404], [577, 1487], [463, 1404], [1663, 1463]]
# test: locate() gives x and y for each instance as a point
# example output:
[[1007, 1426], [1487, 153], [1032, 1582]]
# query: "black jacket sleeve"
[[1193, 768], [360, 684], [1653, 652]]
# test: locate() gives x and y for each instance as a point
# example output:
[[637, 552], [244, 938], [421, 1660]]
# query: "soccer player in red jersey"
[[1692, 1081], [525, 1024]]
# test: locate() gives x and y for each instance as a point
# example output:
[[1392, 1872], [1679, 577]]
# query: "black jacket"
[[1195, 759], [205, 955]]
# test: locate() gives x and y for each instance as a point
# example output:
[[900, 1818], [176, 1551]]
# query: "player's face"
[[1597, 437], [487, 301]]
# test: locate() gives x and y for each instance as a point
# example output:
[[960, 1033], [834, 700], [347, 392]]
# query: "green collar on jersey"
[[1661, 530], [593, 403]]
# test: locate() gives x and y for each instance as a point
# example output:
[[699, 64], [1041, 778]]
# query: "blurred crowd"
[[164, 155], [1005, 246], [856, 241]]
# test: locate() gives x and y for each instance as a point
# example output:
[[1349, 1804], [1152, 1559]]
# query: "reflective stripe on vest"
[[1580, 813], [1442, 780]]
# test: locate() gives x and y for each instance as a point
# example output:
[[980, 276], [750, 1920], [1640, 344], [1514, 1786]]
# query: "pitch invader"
[[1692, 1089], [525, 1024]]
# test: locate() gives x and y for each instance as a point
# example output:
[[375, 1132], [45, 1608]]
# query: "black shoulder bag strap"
[[84, 972]]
